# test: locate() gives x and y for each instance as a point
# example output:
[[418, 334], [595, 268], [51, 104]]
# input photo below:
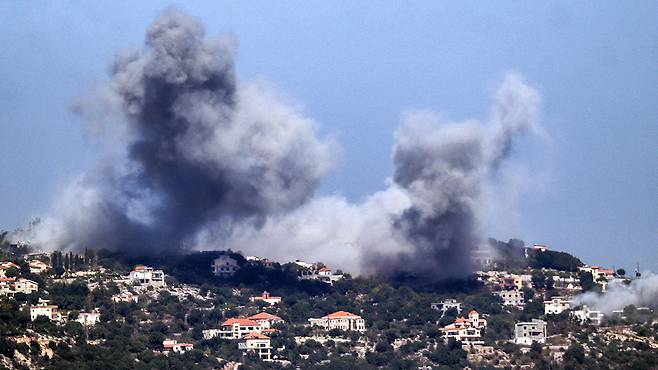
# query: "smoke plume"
[[641, 292], [426, 223], [199, 147], [201, 159]]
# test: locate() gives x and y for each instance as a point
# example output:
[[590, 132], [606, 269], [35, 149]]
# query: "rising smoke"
[[426, 223], [199, 147], [641, 292], [208, 161]]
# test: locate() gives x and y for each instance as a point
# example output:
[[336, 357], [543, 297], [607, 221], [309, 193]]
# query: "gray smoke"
[[200, 159], [641, 292], [427, 222], [199, 147]]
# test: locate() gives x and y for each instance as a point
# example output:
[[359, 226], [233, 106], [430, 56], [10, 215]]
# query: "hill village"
[[222, 310]]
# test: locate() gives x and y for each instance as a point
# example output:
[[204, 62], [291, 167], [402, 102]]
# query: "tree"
[[538, 279], [621, 272], [587, 281]]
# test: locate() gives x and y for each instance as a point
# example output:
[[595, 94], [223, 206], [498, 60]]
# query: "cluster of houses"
[[252, 332], [9, 286]]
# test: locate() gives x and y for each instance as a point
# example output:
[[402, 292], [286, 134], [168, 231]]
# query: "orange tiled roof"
[[254, 335], [324, 269], [472, 311], [7, 279], [241, 322], [264, 316], [339, 314]]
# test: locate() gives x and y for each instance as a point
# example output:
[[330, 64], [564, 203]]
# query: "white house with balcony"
[[49, 311], [340, 320], [234, 328], [556, 305], [258, 343], [585, 315], [147, 276], [467, 330]]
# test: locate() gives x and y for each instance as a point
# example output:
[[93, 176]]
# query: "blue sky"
[[356, 68]]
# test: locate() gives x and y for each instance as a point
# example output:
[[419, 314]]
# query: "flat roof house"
[[531, 331]]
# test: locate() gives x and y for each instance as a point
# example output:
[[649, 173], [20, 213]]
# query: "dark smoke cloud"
[[203, 160], [427, 222], [199, 147]]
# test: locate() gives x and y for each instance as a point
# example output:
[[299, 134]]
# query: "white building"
[[511, 298], [267, 298], [49, 311], [598, 272], [265, 320], [446, 305], [174, 346], [556, 305], [235, 328], [532, 331], [23, 285], [587, 316], [257, 343], [466, 330], [147, 276], [340, 320], [224, 266], [89, 318], [37, 267]]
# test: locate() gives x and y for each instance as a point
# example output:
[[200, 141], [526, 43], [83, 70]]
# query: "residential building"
[[257, 343], [38, 267], [511, 282], [265, 320], [89, 318], [267, 298], [6, 285], [598, 272], [585, 315], [446, 305], [23, 285], [224, 266], [340, 320], [147, 276], [466, 330], [511, 298], [49, 311], [556, 305], [532, 331], [174, 346], [234, 329]]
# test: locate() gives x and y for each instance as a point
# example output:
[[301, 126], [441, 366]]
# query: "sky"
[[356, 69]]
